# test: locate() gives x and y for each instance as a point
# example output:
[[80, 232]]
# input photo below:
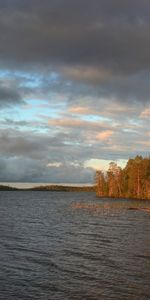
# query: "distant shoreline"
[[51, 188], [65, 188]]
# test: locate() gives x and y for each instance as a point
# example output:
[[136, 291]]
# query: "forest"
[[133, 181], [64, 188]]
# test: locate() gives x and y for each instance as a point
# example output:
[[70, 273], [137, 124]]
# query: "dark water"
[[73, 246]]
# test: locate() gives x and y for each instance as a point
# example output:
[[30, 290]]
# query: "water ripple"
[[72, 246]]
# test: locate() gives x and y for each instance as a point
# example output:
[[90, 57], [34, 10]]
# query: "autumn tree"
[[131, 182], [114, 180], [100, 184]]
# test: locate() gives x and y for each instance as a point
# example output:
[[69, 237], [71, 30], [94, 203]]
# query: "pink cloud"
[[65, 122], [104, 135], [145, 113], [79, 110]]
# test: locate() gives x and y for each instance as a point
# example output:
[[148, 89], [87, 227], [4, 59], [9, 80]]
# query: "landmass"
[[62, 188], [51, 188], [7, 188]]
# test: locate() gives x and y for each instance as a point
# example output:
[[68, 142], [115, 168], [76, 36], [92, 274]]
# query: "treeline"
[[7, 188], [131, 182], [51, 188], [63, 188]]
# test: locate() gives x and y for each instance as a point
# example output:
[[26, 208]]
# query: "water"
[[73, 246]]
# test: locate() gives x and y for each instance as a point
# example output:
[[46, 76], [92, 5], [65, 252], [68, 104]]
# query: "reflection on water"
[[112, 206], [73, 246]]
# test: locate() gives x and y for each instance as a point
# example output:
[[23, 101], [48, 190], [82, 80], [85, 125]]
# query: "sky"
[[74, 87]]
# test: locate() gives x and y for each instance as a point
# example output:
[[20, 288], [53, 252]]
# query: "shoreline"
[[67, 188], [51, 188]]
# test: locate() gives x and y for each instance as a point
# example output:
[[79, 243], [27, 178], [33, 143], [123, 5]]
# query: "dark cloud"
[[29, 170], [26, 144], [9, 96], [102, 44], [113, 34], [29, 157]]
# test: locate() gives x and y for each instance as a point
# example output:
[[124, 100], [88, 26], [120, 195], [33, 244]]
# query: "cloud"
[[30, 170], [78, 123], [104, 135], [145, 113], [29, 156], [87, 74], [15, 143], [100, 164], [79, 110], [83, 69], [103, 49], [113, 37], [54, 164], [9, 96]]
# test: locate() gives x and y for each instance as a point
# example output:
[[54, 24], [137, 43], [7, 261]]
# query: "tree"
[[132, 182], [100, 184], [114, 180]]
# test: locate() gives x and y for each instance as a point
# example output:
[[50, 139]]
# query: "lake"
[[57, 246]]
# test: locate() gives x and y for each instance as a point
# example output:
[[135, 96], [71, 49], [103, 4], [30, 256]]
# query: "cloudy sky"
[[74, 87]]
